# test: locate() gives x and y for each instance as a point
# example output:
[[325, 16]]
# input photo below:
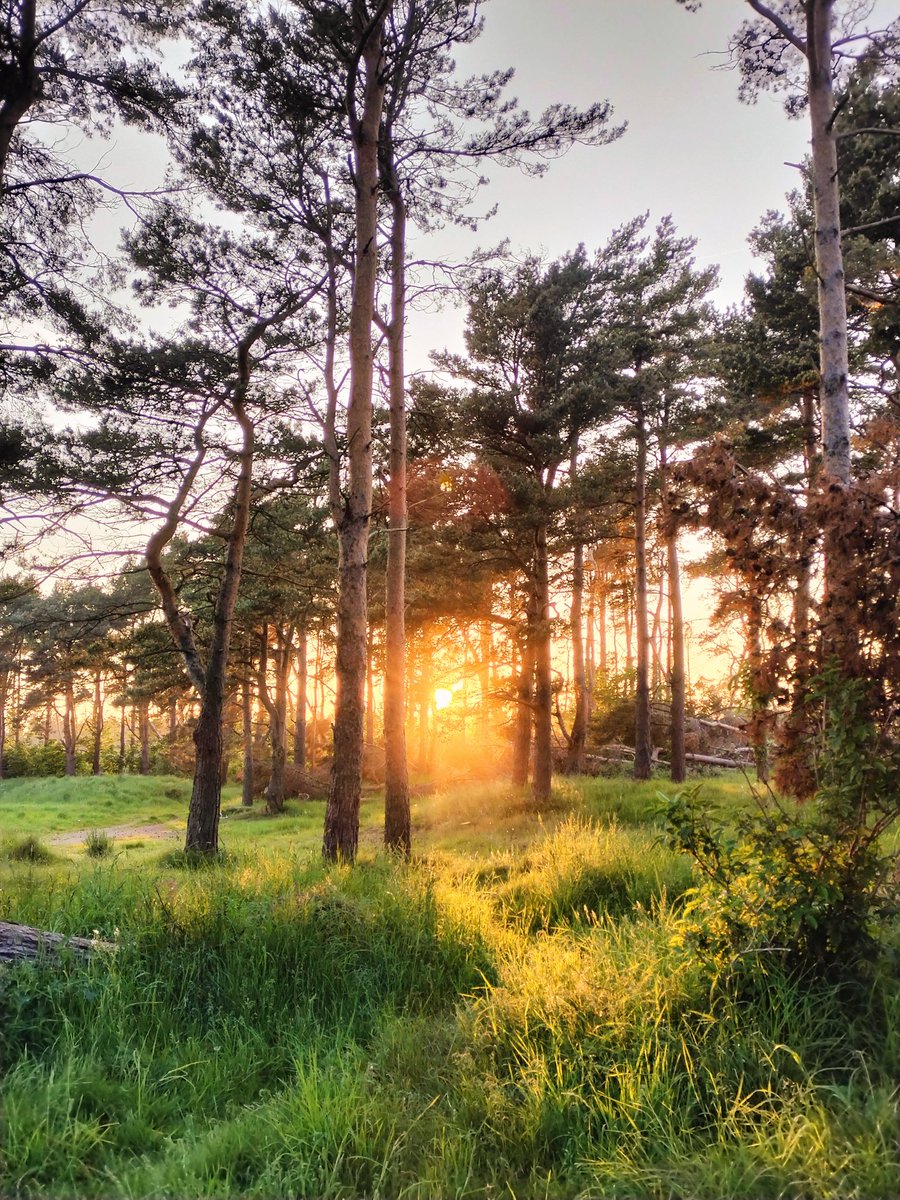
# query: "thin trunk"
[[370, 693], [341, 834], [759, 721], [578, 735], [484, 679], [301, 699], [643, 750], [678, 675], [656, 646], [590, 647], [4, 692], [123, 726], [276, 707], [98, 723], [426, 686], [143, 716], [316, 708], [17, 728], [247, 735], [829, 258], [397, 832], [524, 705], [69, 725]]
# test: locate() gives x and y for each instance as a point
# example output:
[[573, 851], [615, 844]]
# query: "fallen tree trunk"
[[23, 943], [710, 760]]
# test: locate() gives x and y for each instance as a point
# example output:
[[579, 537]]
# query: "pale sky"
[[691, 149]]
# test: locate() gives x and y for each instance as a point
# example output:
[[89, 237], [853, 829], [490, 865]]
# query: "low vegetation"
[[530, 1021]]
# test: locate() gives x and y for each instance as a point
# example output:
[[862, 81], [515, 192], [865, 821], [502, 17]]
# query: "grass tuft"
[[98, 844]]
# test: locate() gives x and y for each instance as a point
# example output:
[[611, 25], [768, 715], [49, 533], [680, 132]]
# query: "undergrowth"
[[527, 1023]]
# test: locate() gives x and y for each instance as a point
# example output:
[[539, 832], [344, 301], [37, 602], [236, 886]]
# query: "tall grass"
[[524, 1024]]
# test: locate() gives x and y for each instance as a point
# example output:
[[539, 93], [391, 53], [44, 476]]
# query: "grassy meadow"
[[512, 1014]]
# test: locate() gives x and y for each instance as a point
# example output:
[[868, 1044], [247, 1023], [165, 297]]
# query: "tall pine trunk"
[[97, 723], [341, 834], [834, 366], [643, 750], [678, 674], [578, 735], [301, 698], [143, 717], [524, 703], [70, 727], [396, 789], [247, 735]]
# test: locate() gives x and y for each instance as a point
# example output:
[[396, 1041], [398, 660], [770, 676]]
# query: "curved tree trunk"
[[202, 834]]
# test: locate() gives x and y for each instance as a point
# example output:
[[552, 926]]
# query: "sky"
[[691, 148]]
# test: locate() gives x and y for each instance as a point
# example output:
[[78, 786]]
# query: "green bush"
[[34, 761], [29, 849], [98, 844]]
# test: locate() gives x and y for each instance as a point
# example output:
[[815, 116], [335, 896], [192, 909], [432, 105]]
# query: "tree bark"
[[833, 351], [578, 735], [70, 731], [341, 834], [247, 735], [143, 715], [397, 829], [678, 675], [21, 86], [524, 705], [302, 689], [4, 693], [98, 723], [123, 725], [203, 812], [276, 707], [643, 750]]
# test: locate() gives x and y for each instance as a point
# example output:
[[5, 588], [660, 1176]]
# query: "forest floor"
[[513, 1013]]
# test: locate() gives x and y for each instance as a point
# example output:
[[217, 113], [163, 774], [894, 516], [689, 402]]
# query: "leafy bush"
[[34, 761], [811, 885], [30, 849]]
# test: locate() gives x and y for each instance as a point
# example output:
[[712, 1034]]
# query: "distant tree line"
[[295, 487]]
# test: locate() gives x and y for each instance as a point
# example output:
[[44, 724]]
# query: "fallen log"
[[21, 943], [710, 760]]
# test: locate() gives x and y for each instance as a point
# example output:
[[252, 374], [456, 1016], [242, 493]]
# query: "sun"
[[442, 697]]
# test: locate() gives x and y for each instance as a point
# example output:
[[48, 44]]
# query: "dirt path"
[[147, 832]]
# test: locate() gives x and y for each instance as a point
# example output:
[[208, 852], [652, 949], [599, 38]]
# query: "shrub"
[[30, 849], [98, 844], [33, 761]]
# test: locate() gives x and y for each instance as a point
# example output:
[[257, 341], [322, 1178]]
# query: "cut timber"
[[20, 943], [711, 760]]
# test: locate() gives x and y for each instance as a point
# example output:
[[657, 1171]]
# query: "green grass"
[[511, 1014]]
